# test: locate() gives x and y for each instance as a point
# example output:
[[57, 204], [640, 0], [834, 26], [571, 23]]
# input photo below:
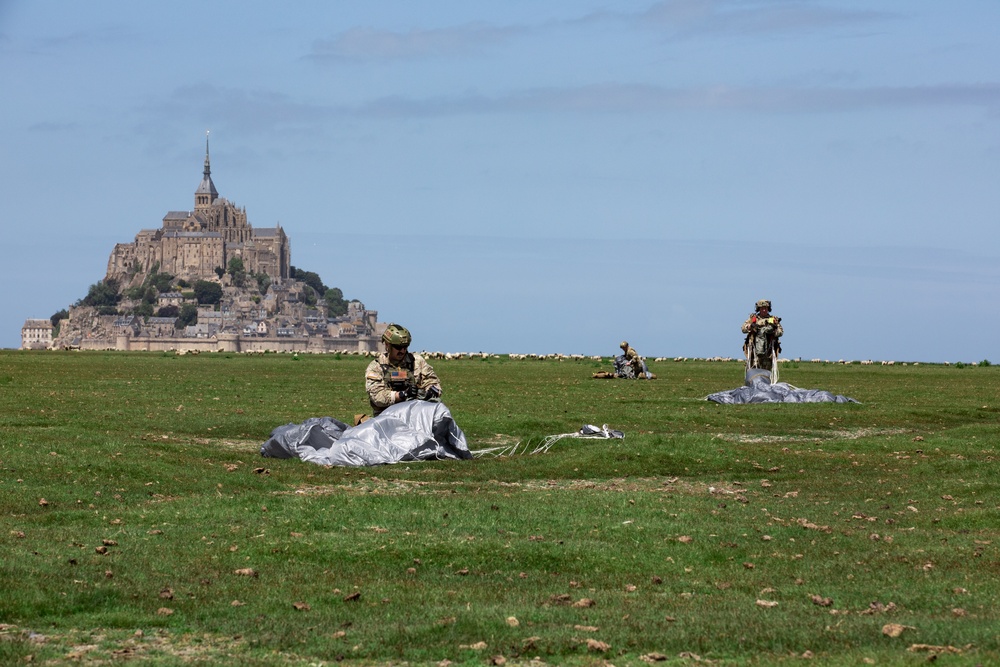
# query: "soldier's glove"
[[433, 393], [409, 393]]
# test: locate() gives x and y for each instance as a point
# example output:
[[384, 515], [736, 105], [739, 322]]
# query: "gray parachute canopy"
[[409, 431], [758, 389]]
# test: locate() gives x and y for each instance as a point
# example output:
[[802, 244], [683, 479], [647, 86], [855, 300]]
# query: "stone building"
[[36, 335], [192, 245]]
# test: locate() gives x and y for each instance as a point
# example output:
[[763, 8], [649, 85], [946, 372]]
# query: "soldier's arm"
[[379, 393], [426, 377]]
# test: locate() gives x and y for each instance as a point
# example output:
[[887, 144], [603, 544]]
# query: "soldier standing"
[[763, 331], [398, 375]]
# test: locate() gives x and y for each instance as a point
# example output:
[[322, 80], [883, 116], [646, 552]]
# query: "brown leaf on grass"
[[463, 572], [380, 529], [805, 523], [498, 660], [513, 622], [652, 657], [561, 598], [231, 467], [246, 572], [164, 611], [478, 646], [411, 570], [767, 604], [108, 574], [154, 532], [685, 539], [43, 502], [166, 594], [657, 580], [236, 603], [749, 566], [874, 607], [575, 584], [301, 606], [294, 534], [958, 612], [596, 645], [631, 588], [109, 543], [821, 601], [895, 629], [19, 534], [261, 471], [586, 628], [338, 634], [101, 549], [689, 654], [353, 597], [584, 603], [930, 648]]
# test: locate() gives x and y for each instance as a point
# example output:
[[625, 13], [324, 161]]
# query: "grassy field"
[[141, 524]]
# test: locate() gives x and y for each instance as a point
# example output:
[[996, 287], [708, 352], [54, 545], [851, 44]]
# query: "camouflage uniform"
[[633, 359], [762, 334], [413, 375]]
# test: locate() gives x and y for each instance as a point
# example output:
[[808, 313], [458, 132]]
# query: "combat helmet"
[[624, 345], [763, 303], [396, 334]]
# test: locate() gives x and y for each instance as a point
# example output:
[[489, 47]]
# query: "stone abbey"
[[191, 245], [258, 303]]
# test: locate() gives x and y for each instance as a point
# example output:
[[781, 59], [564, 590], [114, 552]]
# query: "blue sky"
[[534, 177]]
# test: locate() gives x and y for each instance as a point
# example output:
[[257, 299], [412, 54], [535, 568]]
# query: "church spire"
[[206, 192]]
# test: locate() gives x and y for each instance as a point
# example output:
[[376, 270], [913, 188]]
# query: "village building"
[[36, 335]]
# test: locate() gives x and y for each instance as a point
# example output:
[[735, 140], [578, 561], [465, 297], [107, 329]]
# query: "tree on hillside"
[[102, 294], [188, 315], [161, 281], [169, 311], [56, 319], [309, 278], [335, 303], [207, 293]]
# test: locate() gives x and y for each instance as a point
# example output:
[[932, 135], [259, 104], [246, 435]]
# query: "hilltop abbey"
[[192, 244], [258, 304]]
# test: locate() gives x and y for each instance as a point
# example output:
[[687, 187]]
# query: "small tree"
[[207, 292], [57, 318], [335, 303], [188, 315], [102, 294], [169, 311]]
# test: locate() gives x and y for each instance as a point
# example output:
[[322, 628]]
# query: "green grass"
[[132, 493]]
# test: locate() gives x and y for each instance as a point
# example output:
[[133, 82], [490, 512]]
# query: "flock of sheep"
[[583, 357]]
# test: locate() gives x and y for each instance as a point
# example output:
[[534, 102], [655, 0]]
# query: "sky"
[[534, 177]]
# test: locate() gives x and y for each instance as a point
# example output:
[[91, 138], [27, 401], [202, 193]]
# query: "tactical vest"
[[402, 377]]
